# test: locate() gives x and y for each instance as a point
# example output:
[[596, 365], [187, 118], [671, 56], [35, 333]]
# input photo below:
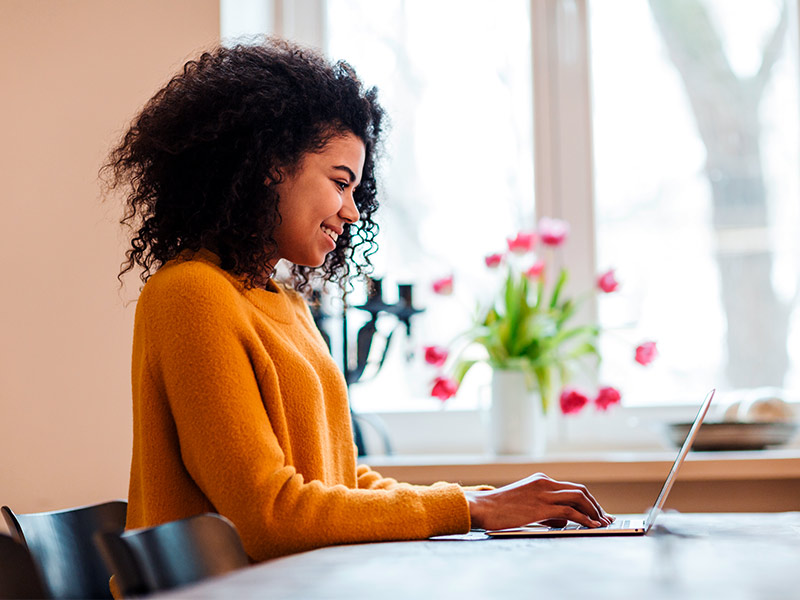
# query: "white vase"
[[517, 423]]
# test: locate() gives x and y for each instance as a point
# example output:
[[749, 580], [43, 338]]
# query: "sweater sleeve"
[[369, 479], [198, 353]]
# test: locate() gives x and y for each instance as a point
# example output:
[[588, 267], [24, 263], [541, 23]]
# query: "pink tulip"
[[535, 270], [443, 286], [553, 232], [435, 355], [444, 388], [522, 243], [493, 260], [646, 353], [606, 397], [572, 401], [607, 282]]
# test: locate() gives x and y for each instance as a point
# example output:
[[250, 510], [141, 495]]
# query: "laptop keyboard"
[[615, 525]]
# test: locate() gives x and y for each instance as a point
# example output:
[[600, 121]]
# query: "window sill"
[[450, 431], [643, 466], [741, 481]]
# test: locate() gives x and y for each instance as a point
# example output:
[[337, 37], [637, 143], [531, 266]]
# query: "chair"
[[61, 544], [19, 577], [172, 554]]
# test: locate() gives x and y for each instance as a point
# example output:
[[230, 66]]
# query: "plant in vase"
[[527, 333]]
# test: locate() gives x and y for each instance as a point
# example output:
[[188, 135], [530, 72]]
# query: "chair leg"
[[14, 527]]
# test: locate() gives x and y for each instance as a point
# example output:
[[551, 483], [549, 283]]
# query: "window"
[[680, 173], [696, 154]]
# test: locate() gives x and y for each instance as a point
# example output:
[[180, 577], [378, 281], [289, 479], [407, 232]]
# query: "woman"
[[252, 155]]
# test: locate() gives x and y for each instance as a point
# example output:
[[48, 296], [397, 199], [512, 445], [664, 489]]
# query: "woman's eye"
[[341, 185]]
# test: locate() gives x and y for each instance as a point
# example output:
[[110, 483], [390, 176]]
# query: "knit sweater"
[[239, 409]]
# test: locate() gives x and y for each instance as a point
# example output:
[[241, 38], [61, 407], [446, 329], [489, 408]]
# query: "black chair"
[[19, 577], [172, 554], [61, 544]]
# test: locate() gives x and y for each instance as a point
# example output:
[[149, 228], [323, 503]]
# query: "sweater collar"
[[275, 302]]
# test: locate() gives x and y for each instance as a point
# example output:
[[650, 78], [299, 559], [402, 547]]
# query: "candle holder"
[[356, 352]]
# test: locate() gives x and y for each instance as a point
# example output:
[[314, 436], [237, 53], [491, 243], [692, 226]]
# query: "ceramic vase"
[[517, 423]]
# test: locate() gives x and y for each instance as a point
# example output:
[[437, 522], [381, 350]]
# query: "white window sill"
[[463, 431]]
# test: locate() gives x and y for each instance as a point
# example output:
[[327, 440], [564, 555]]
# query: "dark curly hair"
[[197, 156]]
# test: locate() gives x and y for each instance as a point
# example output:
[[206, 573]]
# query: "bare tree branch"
[[772, 50], [690, 36]]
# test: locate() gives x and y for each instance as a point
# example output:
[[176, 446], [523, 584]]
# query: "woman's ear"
[[274, 177]]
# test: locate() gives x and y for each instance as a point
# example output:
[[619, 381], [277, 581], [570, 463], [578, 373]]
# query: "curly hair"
[[197, 157]]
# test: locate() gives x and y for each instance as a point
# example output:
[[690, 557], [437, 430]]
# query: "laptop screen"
[[687, 445]]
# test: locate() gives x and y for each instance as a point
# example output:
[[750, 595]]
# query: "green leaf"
[[589, 331], [582, 350], [566, 312], [539, 293], [562, 279], [544, 378], [535, 331], [461, 368], [491, 317]]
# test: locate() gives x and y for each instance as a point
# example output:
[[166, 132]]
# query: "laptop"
[[635, 526]]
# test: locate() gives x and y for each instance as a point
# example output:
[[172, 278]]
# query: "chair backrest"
[[19, 577], [61, 544], [172, 554]]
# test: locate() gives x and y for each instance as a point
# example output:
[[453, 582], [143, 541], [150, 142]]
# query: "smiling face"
[[316, 201]]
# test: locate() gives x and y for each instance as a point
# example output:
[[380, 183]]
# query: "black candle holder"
[[402, 312]]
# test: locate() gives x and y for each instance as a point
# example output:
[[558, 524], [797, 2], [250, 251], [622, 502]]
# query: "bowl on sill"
[[734, 435]]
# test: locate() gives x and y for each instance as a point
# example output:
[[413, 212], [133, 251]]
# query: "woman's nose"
[[349, 211]]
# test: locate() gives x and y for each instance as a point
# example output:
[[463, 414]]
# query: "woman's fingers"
[[554, 522], [580, 502], [580, 517], [579, 497], [536, 498]]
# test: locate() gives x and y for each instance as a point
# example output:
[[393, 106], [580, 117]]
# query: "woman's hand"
[[537, 498]]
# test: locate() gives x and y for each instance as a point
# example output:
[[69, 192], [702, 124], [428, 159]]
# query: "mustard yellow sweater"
[[238, 408]]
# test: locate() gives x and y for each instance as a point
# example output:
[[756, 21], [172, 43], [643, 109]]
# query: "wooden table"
[[702, 556]]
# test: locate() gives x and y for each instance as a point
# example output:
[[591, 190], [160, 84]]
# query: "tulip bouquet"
[[529, 326]]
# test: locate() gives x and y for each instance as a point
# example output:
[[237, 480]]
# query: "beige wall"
[[72, 73]]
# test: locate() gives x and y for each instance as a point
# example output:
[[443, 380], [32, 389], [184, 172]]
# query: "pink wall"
[[72, 73]]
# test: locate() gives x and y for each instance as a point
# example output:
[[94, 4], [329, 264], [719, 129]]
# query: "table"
[[687, 556]]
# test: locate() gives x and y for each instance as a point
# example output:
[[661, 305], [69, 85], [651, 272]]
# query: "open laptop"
[[620, 526]]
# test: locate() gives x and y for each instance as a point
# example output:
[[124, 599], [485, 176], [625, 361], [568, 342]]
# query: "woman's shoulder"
[[194, 277]]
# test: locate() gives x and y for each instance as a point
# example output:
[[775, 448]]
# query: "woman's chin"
[[311, 263]]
